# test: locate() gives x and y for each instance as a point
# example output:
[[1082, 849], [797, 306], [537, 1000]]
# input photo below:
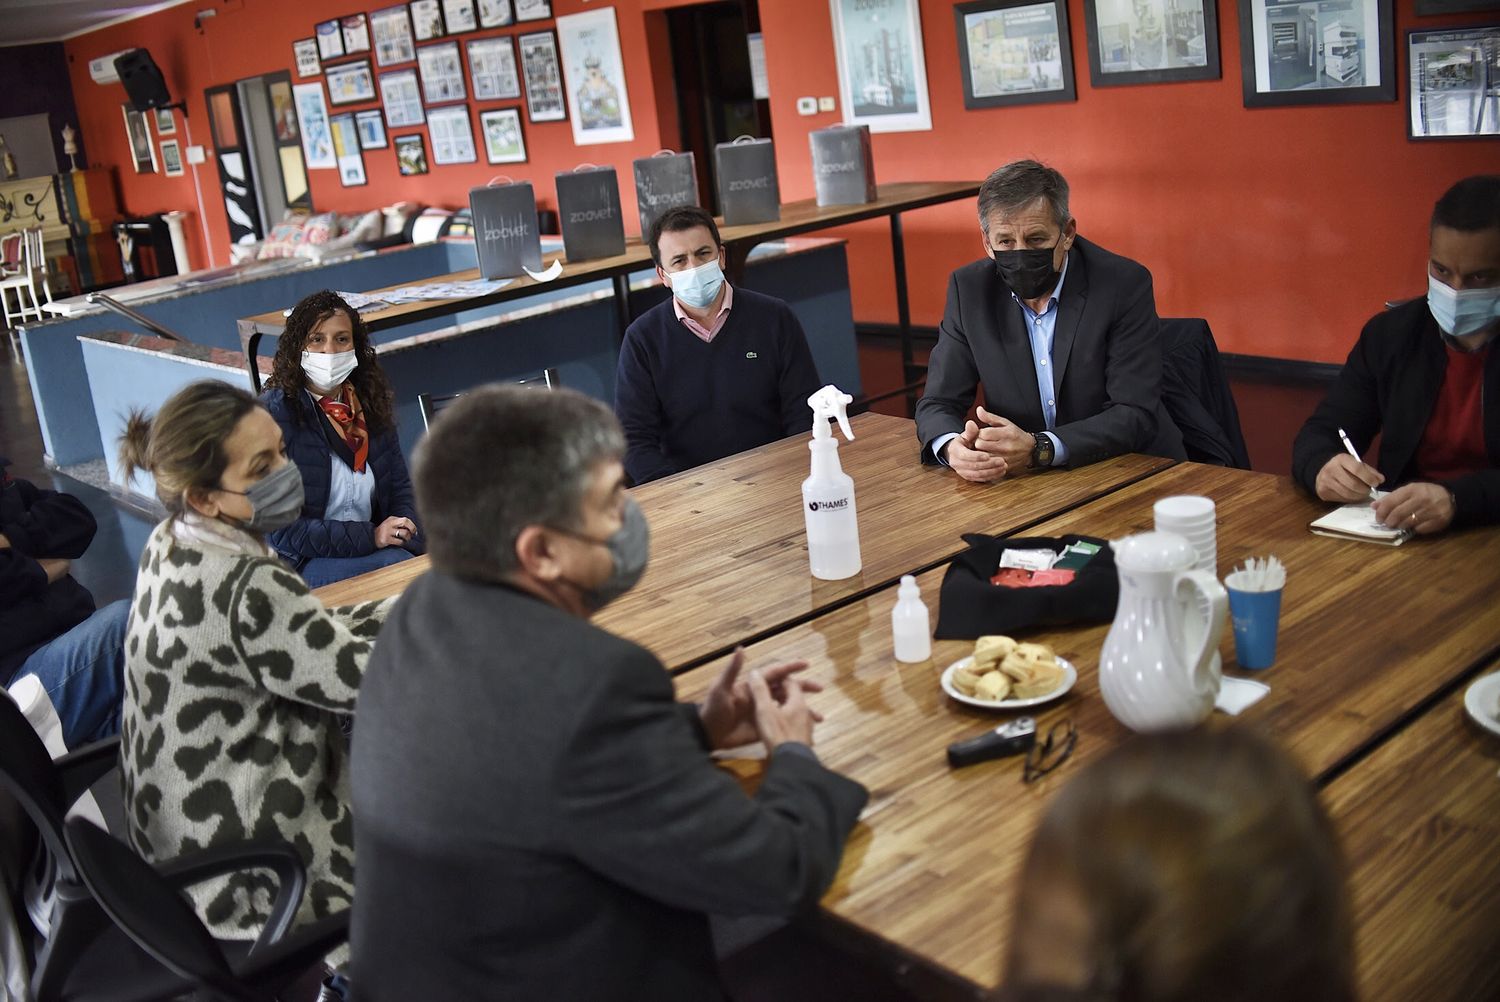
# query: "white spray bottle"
[[828, 493]]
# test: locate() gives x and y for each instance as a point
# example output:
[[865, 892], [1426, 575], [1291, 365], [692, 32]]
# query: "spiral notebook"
[[1357, 521]]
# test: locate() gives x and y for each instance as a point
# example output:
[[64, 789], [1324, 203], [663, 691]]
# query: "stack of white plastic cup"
[[1192, 518]]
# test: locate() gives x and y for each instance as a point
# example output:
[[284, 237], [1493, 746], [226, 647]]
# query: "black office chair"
[[147, 906], [432, 404], [1196, 394]]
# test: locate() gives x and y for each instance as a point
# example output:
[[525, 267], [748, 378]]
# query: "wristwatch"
[[1043, 452]]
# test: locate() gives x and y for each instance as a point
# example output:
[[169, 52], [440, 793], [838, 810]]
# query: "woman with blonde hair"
[[1184, 866], [236, 675]]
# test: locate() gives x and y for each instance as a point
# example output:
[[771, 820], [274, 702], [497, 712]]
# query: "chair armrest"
[[278, 963], [80, 769], [259, 854]]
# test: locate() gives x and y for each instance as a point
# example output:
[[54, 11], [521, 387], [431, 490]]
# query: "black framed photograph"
[[1293, 52], [305, 55], [427, 20], [1452, 79], [504, 142], [356, 28], [492, 69], [402, 96], [459, 16], [1151, 41], [411, 155], [350, 83], [442, 73], [1014, 52], [371, 127], [330, 39], [1427, 8], [495, 13], [351, 162], [391, 28], [533, 10], [452, 135], [543, 76]]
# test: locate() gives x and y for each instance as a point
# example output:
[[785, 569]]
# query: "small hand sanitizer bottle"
[[910, 629]]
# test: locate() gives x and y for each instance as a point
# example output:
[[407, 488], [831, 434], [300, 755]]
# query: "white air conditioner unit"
[[103, 69]]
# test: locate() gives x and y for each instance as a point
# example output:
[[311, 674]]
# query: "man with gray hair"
[[1061, 333], [537, 817]]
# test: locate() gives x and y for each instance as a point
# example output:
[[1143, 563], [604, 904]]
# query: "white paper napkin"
[[1238, 694]]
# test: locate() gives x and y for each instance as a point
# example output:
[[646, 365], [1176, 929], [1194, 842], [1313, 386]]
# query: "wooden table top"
[[929, 874], [729, 544], [1420, 823]]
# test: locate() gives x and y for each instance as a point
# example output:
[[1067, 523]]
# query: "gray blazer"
[[1106, 357], [537, 817]]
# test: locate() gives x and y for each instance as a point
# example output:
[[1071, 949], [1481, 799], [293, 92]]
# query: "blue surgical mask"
[[1462, 312], [697, 287]]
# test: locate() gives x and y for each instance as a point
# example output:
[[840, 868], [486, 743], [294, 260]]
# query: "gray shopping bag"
[[506, 233], [588, 202]]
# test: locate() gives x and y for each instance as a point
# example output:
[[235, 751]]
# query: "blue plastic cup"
[[1256, 616]]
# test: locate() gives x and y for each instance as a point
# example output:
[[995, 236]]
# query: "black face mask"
[[1028, 273]]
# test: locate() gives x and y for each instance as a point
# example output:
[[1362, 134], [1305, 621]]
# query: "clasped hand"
[[1421, 507], [768, 706], [989, 449]]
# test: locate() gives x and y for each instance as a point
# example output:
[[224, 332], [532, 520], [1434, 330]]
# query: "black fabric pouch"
[[972, 607]]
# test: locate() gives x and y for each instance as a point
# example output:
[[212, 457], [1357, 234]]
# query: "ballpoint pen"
[[1350, 446]]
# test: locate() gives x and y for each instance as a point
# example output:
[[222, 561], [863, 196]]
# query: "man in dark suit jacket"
[[536, 816], [1061, 333]]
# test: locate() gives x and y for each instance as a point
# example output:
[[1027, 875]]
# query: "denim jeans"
[[83, 672], [320, 571]]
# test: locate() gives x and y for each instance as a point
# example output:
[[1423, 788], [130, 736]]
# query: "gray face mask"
[[629, 550], [275, 499]]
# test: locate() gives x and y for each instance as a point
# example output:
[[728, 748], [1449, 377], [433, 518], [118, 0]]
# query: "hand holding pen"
[[1346, 477]]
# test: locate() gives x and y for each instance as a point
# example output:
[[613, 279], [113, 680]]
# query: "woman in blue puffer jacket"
[[337, 419]]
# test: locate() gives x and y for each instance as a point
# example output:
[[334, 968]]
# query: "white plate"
[[1482, 700], [1070, 676]]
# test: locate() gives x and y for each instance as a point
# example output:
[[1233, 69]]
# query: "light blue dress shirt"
[[1041, 327], [349, 493]]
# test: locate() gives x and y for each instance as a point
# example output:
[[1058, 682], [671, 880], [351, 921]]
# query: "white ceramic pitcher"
[[1157, 670]]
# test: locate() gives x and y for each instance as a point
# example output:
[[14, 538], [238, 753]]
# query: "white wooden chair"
[[31, 283]]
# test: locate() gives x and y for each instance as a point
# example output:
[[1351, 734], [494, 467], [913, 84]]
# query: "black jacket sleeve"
[[798, 375], [1353, 404], [638, 406], [952, 378], [42, 523]]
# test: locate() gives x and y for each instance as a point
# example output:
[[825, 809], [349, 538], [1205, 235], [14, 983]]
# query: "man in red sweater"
[[1426, 377]]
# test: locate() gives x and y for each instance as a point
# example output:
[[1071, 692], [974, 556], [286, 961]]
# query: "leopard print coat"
[[235, 677]]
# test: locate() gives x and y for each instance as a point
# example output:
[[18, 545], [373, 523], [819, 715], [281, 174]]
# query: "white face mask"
[[328, 372], [1461, 313]]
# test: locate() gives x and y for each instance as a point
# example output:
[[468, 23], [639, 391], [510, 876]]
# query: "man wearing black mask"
[[1061, 333]]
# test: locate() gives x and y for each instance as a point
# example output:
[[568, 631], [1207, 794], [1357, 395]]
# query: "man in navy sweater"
[[712, 371]]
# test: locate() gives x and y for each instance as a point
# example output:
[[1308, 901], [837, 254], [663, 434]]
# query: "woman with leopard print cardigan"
[[236, 675]]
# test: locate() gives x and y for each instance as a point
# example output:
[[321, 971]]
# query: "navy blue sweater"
[[683, 403], [307, 445]]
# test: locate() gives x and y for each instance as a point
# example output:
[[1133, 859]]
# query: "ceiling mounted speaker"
[[142, 80]]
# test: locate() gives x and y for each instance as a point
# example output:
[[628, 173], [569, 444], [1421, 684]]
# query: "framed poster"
[[142, 152], [283, 112], [1428, 7], [1453, 83], [402, 98], [171, 158], [1014, 52], [503, 141], [882, 74], [1294, 52], [452, 135], [346, 150], [1151, 41], [495, 13], [305, 55], [544, 93], [330, 39], [350, 83], [492, 69], [411, 155], [166, 125], [442, 75], [356, 34], [392, 30], [312, 117], [533, 10], [371, 128], [595, 75], [427, 21], [459, 16]]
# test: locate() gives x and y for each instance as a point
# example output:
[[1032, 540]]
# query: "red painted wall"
[[1286, 228]]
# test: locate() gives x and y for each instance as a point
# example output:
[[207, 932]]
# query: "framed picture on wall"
[[346, 149], [495, 13], [283, 111], [459, 16], [1452, 79], [1430, 7], [533, 10], [142, 152], [166, 125], [888, 91], [503, 141], [442, 74], [392, 30], [1332, 52], [356, 34], [492, 69], [427, 19], [371, 126], [594, 72], [402, 97], [1014, 52], [305, 56], [312, 118], [1151, 41], [330, 39], [452, 135], [411, 155], [171, 158], [543, 74], [350, 83]]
